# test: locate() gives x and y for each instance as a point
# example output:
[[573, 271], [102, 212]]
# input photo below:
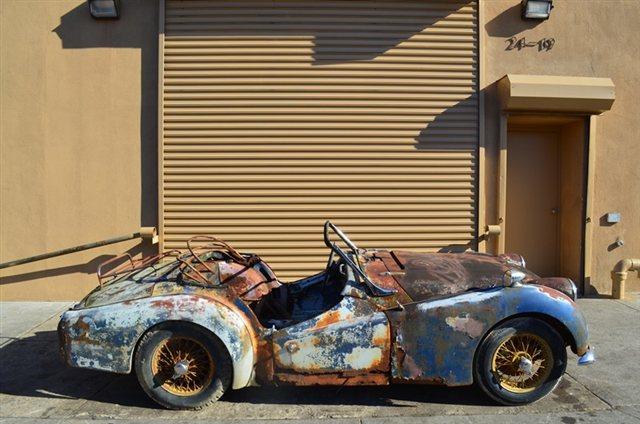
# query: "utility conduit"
[[145, 233], [619, 276]]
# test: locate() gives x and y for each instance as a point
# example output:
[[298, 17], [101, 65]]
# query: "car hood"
[[426, 275]]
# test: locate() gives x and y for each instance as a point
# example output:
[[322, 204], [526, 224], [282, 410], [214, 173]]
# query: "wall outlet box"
[[613, 217]]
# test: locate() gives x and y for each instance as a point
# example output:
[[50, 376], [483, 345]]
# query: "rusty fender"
[[104, 337], [435, 341]]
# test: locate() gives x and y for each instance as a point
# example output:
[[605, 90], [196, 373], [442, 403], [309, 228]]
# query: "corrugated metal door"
[[280, 114]]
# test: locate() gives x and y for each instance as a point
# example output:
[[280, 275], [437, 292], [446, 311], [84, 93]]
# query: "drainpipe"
[[619, 276]]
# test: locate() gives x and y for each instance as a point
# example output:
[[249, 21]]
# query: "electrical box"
[[613, 217]]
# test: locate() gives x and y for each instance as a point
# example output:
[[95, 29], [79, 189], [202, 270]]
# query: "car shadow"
[[31, 367]]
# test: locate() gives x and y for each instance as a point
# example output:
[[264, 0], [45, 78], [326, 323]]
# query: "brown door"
[[532, 199]]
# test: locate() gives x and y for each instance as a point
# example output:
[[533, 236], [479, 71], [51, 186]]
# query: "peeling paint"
[[326, 329], [466, 324]]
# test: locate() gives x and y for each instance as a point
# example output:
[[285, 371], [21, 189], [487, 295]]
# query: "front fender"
[[104, 338], [436, 340]]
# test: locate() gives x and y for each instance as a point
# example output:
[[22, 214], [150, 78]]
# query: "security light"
[[536, 9], [104, 9]]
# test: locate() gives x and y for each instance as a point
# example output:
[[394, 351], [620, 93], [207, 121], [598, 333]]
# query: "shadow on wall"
[[334, 39], [136, 29], [455, 129], [89, 267], [354, 35]]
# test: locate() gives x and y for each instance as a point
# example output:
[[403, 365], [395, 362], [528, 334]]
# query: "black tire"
[[502, 390], [159, 388]]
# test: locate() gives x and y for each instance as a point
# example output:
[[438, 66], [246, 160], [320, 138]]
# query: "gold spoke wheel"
[[522, 363], [183, 366]]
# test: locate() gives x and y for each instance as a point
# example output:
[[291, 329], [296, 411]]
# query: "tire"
[[206, 363], [503, 375]]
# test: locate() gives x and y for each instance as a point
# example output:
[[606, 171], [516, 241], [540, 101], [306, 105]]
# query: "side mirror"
[[512, 278]]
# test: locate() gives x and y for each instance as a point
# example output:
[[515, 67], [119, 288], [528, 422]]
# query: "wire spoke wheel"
[[182, 366], [522, 363]]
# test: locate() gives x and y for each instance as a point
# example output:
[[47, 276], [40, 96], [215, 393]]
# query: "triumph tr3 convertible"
[[194, 324]]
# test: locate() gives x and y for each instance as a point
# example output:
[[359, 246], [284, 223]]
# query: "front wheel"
[[521, 361], [182, 366]]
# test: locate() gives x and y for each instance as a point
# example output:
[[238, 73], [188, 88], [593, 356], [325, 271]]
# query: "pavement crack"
[[603, 400], [627, 305]]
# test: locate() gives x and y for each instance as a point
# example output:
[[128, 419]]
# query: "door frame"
[[589, 164]]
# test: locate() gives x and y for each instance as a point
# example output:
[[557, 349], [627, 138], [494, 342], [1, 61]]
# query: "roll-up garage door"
[[280, 114]]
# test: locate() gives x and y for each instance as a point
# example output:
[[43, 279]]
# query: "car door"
[[347, 344]]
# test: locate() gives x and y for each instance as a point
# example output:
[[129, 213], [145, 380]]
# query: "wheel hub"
[[180, 369], [522, 363], [182, 366], [526, 366]]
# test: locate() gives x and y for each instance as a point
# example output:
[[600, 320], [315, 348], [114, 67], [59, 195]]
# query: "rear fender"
[[105, 337], [435, 341]]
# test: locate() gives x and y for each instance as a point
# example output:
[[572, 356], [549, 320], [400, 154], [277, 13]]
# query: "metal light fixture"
[[104, 9], [536, 9]]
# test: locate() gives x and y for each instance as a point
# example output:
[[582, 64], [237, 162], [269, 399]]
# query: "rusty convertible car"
[[193, 324]]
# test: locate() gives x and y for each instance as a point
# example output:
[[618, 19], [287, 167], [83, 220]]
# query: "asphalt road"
[[35, 387]]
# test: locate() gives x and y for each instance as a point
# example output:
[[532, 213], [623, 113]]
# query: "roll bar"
[[375, 289]]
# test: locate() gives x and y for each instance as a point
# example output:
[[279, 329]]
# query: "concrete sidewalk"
[[35, 387]]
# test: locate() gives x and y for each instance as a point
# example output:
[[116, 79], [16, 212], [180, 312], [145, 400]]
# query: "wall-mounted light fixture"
[[536, 9], [104, 9]]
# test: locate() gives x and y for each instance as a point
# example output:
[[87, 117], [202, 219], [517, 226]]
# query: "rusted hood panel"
[[426, 275]]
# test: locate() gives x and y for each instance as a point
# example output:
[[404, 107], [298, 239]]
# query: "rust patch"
[[329, 318], [162, 303], [338, 379], [248, 282], [466, 324], [386, 276], [439, 274], [83, 328], [380, 341]]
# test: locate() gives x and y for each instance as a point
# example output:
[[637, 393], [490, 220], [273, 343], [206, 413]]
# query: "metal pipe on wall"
[[146, 233], [619, 276]]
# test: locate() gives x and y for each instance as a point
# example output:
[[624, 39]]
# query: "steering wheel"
[[344, 256]]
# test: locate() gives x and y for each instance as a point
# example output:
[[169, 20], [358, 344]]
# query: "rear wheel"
[[182, 366], [521, 361]]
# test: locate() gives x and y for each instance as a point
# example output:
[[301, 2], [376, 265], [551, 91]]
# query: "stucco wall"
[[78, 139], [78, 128], [595, 38]]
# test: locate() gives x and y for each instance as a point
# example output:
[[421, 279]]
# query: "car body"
[[373, 317]]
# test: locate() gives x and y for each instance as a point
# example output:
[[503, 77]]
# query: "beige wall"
[[78, 128], [595, 38], [78, 137]]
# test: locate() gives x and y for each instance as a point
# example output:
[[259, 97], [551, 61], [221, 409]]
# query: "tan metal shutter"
[[280, 114]]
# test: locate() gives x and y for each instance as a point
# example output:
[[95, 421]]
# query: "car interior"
[[304, 299]]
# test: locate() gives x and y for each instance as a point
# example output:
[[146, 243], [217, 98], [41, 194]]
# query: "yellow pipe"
[[619, 276]]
